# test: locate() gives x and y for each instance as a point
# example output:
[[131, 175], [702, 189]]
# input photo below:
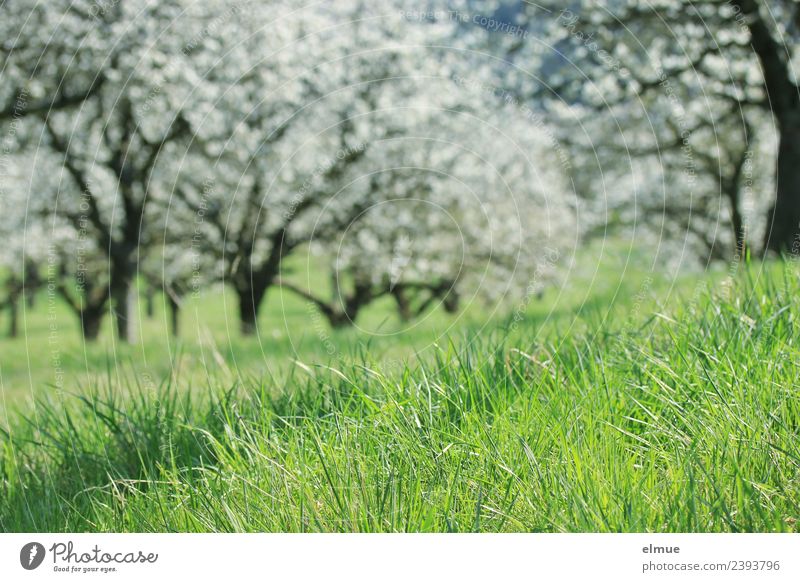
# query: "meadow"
[[616, 403]]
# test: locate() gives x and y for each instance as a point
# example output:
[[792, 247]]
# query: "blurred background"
[[192, 186]]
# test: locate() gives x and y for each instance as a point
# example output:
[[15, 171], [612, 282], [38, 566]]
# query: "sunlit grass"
[[640, 418]]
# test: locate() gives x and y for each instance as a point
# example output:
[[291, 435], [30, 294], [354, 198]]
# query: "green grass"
[[615, 414], [50, 355]]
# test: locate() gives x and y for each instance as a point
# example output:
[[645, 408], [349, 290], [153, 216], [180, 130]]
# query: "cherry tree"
[[702, 192], [179, 274], [477, 206], [245, 133], [107, 85], [302, 99], [699, 73], [23, 251]]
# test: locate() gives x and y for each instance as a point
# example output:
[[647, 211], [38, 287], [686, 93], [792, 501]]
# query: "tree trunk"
[[402, 301], [32, 283], [731, 187], [250, 299], [361, 296], [13, 315], [174, 314], [122, 293], [452, 301], [739, 232], [783, 220], [90, 323], [339, 319], [149, 299]]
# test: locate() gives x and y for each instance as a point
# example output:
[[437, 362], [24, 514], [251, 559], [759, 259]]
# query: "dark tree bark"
[[123, 303], [60, 101], [32, 283], [338, 319], [737, 220], [250, 299], [414, 299], [783, 220], [362, 295], [174, 313], [252, 281], [149, 302], [90, 305], [452, 301], [15, 291], [91, 319], [402, 301], [13, 315], [30, 297], [343, 309], [731, 186]]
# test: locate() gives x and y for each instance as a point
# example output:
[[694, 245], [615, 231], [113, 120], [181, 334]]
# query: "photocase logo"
[[31, 555]]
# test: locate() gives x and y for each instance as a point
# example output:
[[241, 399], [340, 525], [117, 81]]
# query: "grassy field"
[[618, 404]]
